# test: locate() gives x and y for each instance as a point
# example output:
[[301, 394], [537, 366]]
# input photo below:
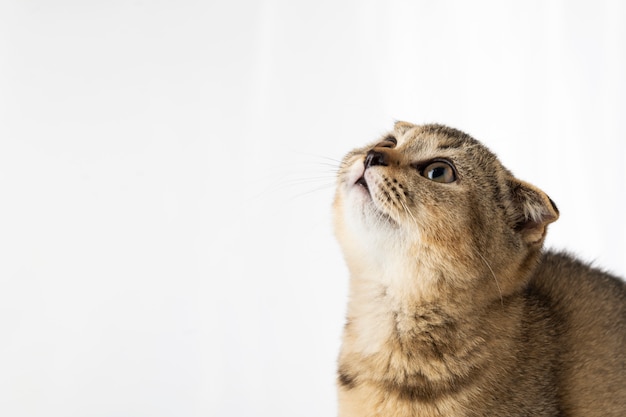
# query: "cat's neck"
[[404, 303], [398, 285]]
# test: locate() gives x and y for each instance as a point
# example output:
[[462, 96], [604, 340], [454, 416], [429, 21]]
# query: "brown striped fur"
[[454, 308]]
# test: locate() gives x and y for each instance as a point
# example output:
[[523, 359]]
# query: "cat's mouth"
[[362, 183], [368, 203]]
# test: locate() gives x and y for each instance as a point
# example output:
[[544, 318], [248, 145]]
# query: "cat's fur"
[[454, 308]]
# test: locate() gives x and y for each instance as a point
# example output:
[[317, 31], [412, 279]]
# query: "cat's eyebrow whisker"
[[492, 273]]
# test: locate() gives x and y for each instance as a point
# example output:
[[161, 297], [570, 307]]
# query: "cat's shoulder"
[[574, 283]]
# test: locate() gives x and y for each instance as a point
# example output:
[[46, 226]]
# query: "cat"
[[454, 308]]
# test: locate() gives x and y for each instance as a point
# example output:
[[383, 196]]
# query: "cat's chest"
[[407, 362], [420, 345], [395, 338], [383, 323]]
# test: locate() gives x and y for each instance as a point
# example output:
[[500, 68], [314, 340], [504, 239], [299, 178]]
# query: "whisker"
[[314, 190], [296, 166], [325, 164], [409, 212], [290, 184], [492, 273], [337, 161], [292, 173]]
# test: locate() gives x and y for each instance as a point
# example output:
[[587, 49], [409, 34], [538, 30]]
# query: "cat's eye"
[[440, 171]]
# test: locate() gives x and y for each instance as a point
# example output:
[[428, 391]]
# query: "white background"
[[166, 174]]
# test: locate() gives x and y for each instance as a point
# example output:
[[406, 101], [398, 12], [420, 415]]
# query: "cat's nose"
[[374, 158]]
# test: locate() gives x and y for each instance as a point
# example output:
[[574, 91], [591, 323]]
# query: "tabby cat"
[[455, 309]]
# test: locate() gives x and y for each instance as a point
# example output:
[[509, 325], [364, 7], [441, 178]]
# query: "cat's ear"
[[401, 127], [533, 211]]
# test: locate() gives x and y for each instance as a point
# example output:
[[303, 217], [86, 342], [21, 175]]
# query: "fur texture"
[[454, 308]]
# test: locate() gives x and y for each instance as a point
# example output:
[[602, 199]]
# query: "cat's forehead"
[[436, 137], [432, 138]]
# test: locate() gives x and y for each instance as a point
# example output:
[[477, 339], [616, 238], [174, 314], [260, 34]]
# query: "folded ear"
[[533, 211]]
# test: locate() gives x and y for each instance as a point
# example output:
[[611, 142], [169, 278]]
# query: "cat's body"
[[454, 309]]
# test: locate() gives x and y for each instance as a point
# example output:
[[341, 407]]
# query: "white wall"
[[166, 172]]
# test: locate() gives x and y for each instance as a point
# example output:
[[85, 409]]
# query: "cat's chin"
[[367, 222], [364, 207], [369, 211]]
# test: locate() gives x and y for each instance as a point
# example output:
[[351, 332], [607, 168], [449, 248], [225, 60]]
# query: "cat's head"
[[431, 198]]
